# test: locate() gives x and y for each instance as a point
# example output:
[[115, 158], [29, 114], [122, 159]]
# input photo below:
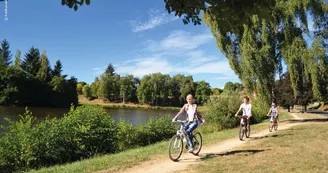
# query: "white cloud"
[[146, 66], [178, 42], [155, 19]]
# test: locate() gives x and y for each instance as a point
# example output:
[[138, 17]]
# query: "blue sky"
[[137, 37]]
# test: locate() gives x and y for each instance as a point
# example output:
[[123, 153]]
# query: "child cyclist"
[[247, 109], [274, 112]]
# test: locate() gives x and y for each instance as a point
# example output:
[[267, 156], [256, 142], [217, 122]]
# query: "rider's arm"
[[179, 113], [269, 111], [238, 111]]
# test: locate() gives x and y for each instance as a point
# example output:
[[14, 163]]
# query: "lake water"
[[134, 116]]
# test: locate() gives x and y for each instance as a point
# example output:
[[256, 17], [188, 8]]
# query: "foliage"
[[83, 132], [31, 82], [220, 111], [5, 54], [283, 92], [203, 91], [256, 35], [229, 86], [57, 68], [87, 92]]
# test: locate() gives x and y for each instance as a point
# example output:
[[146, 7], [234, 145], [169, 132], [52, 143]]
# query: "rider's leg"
[[271, 118], [191, 128], [248, 120]]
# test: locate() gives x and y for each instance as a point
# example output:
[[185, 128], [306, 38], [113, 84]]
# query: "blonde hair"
[[189, 95]]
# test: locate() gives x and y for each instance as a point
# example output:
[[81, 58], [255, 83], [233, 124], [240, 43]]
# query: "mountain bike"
[[176, 144], [244, 128], [273, 124]]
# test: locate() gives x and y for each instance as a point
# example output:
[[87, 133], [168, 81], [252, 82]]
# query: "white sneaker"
[[191, 150]]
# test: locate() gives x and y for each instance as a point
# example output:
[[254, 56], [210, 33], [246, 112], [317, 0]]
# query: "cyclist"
[[192, 118], [274, 112], [247, 109]]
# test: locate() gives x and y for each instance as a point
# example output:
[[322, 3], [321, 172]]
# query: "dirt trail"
[[166, 165]]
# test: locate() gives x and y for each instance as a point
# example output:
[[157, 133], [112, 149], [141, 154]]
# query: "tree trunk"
[[305, 108]]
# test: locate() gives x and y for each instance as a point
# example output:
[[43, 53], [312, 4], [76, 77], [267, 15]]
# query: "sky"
[[137, 37]]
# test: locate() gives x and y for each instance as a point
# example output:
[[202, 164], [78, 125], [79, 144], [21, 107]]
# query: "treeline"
[[32, 81], [153, 89]]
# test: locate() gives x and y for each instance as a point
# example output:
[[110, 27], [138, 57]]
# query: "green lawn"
[[132, 157], [299, 149]]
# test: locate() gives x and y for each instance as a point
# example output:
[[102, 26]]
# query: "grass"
[[132, 157], [299, 149]]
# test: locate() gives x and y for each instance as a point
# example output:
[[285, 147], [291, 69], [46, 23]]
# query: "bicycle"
[[273, 124], [176, 142], [244, 128]]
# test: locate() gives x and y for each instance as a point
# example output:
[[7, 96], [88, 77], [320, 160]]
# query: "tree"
[[5, 54], [283, 92], [144, 90], [110, 70], [187, 87], [31, 64], [18, 59], [127, 88], [57, 69], [254, 34], [229, 86], [44, 73], [74, 3], [95, 88], [87, 92], [203, 92], [216, 91]]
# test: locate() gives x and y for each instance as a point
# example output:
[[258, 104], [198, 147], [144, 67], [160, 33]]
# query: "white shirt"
[[247, 109], [191, 112]]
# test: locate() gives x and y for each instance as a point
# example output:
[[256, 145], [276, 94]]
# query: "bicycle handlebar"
[[180, 121]]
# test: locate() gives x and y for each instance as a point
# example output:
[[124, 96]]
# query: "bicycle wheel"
[[241, 132], [248, 130], [276, 125], [175, 148], [198, 143], [270, 126]]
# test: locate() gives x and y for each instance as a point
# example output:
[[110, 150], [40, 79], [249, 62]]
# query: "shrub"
[[220, 111], [83, 132]]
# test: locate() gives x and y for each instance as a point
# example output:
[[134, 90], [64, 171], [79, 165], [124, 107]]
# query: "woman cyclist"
[[192, 118]]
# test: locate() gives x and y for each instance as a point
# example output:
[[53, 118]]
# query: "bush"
[[82, 133], [221, 110]]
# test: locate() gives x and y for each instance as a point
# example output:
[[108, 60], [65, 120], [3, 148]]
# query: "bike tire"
[[248, 130], [174, 139], [241, 132], [198, 143], [270, 126], [276, 126]]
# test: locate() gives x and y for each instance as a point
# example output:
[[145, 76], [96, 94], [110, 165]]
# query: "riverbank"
[[84, 101], [153, 153]]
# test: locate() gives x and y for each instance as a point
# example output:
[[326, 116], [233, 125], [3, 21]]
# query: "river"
[[133, 115]]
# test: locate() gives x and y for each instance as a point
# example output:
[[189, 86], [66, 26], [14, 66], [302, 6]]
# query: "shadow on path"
[[271, 136], [308, 120], [205, 156]]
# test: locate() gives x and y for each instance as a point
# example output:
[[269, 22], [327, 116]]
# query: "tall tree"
[[31, 63], [18, 59], [110, 70], [203, 92], [57, 69], [5, 54], [283, 92], [253, 34], [44, 73]]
